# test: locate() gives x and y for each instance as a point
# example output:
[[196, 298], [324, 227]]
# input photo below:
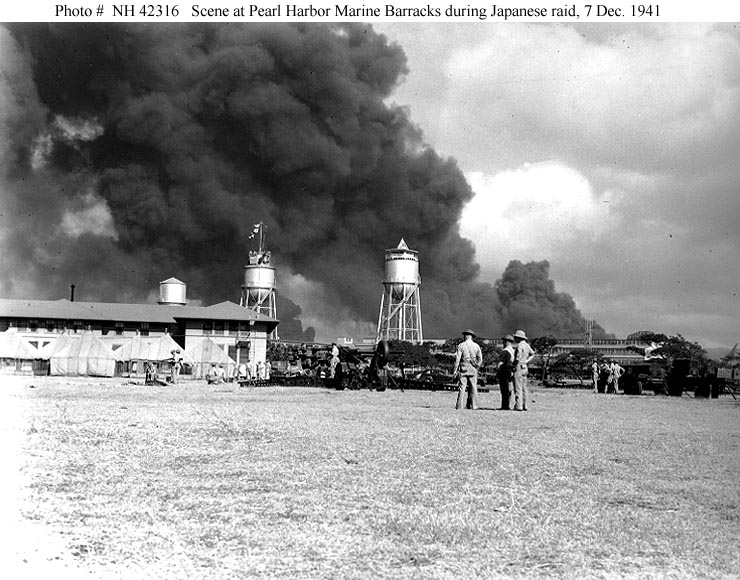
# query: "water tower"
[[400, 308], [172, 292], [258, 289]]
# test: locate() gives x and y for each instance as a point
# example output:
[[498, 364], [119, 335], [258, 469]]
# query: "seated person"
[[215, 375]]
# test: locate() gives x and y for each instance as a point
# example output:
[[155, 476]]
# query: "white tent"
[[83, 355], [12, 346], [151, 348], [137, 350], [55, 346], [16, 355], [154, 349], [163, 348], [207, 352]]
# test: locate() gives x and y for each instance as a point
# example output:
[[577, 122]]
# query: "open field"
[[193, 481]]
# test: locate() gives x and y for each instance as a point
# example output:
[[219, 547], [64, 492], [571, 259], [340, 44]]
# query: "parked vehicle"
[[287, 368]]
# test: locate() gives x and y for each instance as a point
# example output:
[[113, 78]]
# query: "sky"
[[612, 151], [599, 159]]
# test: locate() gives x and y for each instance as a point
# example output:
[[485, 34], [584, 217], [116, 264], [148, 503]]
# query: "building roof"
[[40, 309], [119, 312]]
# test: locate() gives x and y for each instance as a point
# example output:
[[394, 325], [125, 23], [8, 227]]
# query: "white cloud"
[[91, 214], [534, 212], [621, 141], [77, 129]]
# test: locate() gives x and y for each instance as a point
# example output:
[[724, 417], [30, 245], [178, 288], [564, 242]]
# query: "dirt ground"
[[111, 479]]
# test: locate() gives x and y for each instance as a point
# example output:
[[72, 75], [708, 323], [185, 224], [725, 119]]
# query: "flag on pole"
[[255, 230]]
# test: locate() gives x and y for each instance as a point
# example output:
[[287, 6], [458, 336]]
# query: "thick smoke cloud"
[[140, 152], [529, 300]]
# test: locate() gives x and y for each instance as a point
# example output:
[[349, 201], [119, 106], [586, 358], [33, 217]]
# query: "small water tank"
[[171, 292]]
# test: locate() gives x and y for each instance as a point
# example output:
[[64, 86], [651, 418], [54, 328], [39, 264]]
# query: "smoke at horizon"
[[137, 152]]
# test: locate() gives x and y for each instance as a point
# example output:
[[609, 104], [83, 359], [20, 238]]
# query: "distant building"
[[620, 350], [241, 332]]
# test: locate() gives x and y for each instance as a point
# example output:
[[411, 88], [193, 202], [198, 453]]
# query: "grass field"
[[194, 481]]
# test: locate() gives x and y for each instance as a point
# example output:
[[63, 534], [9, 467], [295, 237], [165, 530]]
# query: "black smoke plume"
[[139, 152], [529, 300]]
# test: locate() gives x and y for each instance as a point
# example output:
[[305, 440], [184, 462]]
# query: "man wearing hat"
[[505, 372], [523, 356], [467, 360]]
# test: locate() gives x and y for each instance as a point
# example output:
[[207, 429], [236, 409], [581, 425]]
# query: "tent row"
[[90, 355]]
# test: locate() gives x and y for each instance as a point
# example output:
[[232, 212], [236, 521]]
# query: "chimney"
[[71, 292]]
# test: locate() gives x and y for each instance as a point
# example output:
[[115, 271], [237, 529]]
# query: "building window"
[[119, 328], [219, 327], [33, 325], [144, 330], [207, 327]]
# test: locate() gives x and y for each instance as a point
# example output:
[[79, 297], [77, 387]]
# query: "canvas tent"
[[207, 352], [13, 346], [82, 355], [56, 346], [15, 353], [152, 349], [161, 349], [137, 350]]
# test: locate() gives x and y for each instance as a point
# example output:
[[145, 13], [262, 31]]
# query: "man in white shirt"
[[615, 371], [523, 356]]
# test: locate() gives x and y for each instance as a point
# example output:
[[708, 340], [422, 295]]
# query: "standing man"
[[604, 377], [334, 361], [595, 375], [505, 373], [523, 356], [176, 368], [467, 360], [615, 371]]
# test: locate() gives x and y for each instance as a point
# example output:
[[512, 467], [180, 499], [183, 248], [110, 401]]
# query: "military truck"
[[661, 376]]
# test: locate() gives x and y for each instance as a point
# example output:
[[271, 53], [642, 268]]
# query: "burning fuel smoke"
[[137, 152], [529, 300]]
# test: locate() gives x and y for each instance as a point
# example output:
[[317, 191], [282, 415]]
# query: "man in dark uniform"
[[505, 373]]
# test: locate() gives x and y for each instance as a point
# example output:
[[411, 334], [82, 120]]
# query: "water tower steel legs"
[[400, 319], [265, 305]]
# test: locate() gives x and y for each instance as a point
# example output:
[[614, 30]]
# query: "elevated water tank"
[[401, 270], [400, 305], [172, 292], [259, 283]]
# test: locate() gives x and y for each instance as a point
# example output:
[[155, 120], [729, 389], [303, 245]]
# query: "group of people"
[[151, 371], [216, 375], [512, 371], [605, 377], [258, 371]]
